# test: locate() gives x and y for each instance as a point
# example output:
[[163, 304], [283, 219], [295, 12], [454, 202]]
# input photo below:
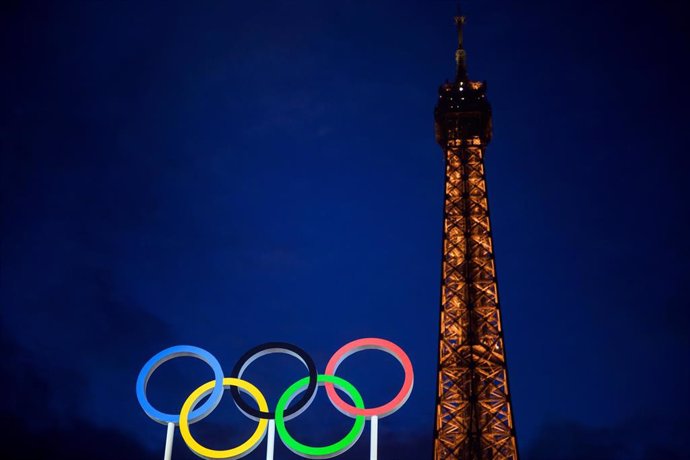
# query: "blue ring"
[[166, 355]]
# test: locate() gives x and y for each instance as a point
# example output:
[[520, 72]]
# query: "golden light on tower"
[[474, 419]]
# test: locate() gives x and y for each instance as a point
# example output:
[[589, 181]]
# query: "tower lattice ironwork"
[[474, 419]]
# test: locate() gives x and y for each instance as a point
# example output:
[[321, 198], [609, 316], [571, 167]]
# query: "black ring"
[[261, 350]]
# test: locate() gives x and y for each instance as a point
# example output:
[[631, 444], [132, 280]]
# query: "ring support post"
[[374, 446], [270, 443], [169, 441]]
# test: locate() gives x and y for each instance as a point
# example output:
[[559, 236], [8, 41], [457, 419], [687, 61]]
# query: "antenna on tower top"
[[461, 65]]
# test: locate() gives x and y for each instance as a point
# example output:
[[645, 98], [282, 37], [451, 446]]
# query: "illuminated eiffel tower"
[[474, 420]]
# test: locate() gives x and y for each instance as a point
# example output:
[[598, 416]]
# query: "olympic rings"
[[371, 344], [236, 452], [166, 355], [190, 413], [326, 451], [266, 349]]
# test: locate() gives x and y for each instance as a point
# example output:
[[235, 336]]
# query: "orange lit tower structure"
[[474, 419]]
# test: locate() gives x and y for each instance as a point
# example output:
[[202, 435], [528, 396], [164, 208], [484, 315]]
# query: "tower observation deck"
[[474, 419]]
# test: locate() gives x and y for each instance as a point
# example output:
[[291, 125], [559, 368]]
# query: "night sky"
[[224, 174]]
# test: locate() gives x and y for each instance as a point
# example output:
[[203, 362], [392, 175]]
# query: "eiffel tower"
[[474, 419]]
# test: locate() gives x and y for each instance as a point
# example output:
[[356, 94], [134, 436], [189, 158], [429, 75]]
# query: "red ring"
[[370, 344]]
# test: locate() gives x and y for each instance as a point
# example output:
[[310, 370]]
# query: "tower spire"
[[460, 56]]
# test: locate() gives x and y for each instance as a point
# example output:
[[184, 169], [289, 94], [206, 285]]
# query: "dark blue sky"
[[224, 174]]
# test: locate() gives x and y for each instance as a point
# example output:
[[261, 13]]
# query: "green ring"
[[326, 451]]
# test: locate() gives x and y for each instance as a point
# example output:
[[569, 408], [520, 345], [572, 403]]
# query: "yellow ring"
[[235, 452]]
